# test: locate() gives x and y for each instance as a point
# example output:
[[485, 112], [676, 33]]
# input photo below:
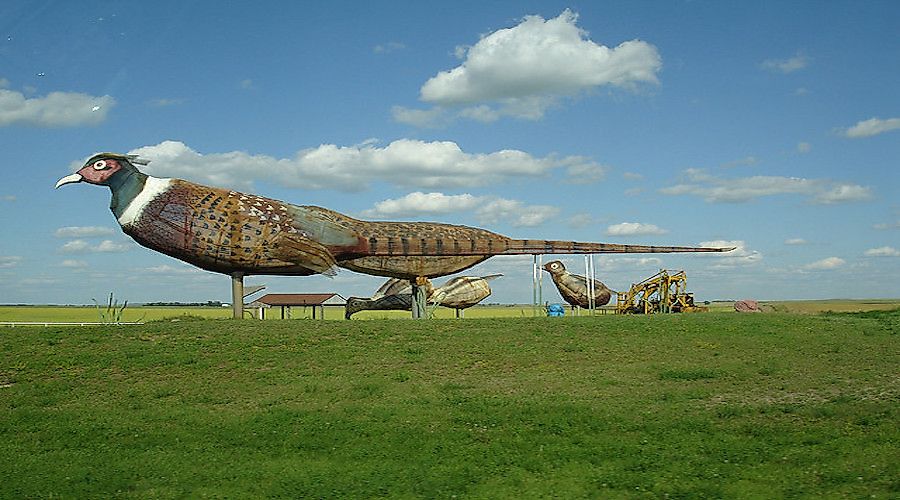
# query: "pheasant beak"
[[69, 179]]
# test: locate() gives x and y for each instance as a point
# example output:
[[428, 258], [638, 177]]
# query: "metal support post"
[[237, 295]]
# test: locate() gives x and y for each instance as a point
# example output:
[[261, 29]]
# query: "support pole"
[[419, 301], [534, 272], [237, 295]]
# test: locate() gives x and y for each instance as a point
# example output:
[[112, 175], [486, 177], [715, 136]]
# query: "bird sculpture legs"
[[237, 295], [419, 301]]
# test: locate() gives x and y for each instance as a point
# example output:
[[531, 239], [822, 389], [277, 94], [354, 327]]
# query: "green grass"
[[139, 313], [684, 406]]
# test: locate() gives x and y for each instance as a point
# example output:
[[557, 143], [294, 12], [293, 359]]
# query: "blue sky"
[[771, 126]]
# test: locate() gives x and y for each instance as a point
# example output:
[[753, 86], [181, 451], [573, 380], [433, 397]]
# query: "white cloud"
[[386, 48], [586, 173], [419, 203], [843, 193], [83, 231], [608, 263], [740, 256], [8, 197], [524, 69], [487, 209], [105, 246], [789, 65], [885, 251], [887, 225], [425, 118], [7, 261], [515, 212], [633, 229], [872, 126], [632, 176], [804, 147], [73, 264], [795, 241], [580, 220], [165, 269], [742, 189], [825, 264], [746, 161], [404, 162], [163, 102], [56, 109]]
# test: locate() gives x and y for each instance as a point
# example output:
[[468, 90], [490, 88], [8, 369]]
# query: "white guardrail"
[[65, 323]]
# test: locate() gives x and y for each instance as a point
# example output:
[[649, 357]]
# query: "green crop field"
[[151, 313], [773, 405]]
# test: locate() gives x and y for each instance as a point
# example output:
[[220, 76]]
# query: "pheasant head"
[[104, 169], [555, 267]]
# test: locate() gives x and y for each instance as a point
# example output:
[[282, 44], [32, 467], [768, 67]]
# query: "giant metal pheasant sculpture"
[[235, 233], [574, 288]]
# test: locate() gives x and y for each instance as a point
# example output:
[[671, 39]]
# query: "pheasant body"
[[231, 232], [574, 288]]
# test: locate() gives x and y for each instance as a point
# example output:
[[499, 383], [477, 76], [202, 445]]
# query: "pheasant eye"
[[100, 165]]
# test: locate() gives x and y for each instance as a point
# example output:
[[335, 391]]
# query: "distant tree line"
[[208, 303]]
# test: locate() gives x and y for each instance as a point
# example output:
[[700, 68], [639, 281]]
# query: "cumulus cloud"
[[404, 162], [515, 212], [386, 48], [633, 229], [610, 263], [747, 161], [56, 109], [884, 251], [487, 209], [795, 241], [872, 126], [743, 189], [105, 246], [7, 261], [742, 255], [73, 264], [843, 193], [523, 70], [419, 203], [165, 269], [825, 264], [83, 232], [425, 118], [788, 65], [887, 225]]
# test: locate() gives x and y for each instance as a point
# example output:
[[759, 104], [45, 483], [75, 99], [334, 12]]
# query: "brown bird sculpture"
[[235, 233], [574, 288], [395, 294]]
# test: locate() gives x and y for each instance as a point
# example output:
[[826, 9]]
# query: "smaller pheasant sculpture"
[[574, 288], [461, 292], [242, 234]]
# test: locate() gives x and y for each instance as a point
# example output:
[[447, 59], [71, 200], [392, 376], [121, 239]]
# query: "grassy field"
[[683, 406], [139, 313]]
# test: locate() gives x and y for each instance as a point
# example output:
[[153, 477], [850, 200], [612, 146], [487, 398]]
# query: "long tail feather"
[[518, 247]]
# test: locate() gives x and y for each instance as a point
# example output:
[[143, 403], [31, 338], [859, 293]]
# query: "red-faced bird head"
[[554, 267], [101, 168]]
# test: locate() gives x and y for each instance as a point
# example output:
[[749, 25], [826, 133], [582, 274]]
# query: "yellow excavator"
[[664, 292]]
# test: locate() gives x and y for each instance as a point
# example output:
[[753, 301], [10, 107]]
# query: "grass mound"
[[718, 405]]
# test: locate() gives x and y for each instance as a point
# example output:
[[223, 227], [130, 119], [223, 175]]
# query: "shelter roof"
[[301, 299]]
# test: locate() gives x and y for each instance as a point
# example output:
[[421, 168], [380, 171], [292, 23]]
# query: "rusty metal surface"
[[574, 288], [231, 232]]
